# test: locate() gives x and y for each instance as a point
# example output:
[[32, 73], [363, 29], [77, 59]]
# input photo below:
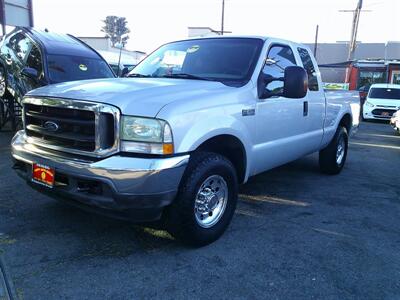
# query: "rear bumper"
[[117, 184]]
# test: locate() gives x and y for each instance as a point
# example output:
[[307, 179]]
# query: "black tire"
[[180, 217], [328, 161]]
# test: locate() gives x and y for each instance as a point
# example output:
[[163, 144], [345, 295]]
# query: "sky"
[[154, 22]]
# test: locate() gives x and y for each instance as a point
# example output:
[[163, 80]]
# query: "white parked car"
[[196, 119], [395, 121], [383, 100]]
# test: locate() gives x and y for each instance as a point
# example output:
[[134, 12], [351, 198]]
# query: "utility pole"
[[316, 41], [354, 28], [223, 15]]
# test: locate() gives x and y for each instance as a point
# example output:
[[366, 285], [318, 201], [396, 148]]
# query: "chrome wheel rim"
[[211, 200], [340, 151]]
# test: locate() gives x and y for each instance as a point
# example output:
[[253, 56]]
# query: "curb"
[[7, 290]]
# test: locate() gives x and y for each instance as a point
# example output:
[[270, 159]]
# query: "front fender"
[[190, 135]]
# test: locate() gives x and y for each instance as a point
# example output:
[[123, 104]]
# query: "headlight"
[[145, 135], [369, 104]]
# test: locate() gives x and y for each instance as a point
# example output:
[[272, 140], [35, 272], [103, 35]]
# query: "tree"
[[114, 28]]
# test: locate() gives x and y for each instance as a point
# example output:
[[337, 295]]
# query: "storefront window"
[[396, 77], [367, 78]]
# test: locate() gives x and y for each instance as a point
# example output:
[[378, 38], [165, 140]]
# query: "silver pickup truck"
[[195, 119]]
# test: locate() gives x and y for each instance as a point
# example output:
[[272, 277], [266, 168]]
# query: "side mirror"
[[124, 72], [30, 73], [295, 83]]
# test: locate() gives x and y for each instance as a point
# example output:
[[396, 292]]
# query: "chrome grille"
[[383, 113], [72, 126]]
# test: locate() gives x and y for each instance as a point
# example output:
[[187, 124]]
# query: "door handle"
[[305, 108]]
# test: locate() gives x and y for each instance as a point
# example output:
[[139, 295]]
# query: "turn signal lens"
[[168, 148]]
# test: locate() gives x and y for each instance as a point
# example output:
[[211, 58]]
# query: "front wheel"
[[333, 157], [206, 200]]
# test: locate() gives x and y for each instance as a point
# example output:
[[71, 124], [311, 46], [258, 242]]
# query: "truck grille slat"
[[71, 126], [65, 136], [48, 117]]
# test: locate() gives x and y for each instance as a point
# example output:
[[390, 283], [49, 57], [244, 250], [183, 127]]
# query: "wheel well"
[[230, 147], [346, 122]]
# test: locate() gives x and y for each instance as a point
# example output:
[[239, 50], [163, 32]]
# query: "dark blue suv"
[[30, 58]]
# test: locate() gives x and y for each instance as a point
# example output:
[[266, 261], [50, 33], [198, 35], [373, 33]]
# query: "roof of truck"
[[264, 38]]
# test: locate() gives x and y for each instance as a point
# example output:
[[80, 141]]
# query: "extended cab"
[[196, 119]]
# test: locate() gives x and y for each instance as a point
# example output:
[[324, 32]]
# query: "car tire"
[[333, 157], [206, 200]]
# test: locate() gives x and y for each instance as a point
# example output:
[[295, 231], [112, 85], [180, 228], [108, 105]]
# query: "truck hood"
[[133, 96]]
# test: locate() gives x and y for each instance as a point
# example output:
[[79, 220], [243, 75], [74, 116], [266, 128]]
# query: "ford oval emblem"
[[50, 126]]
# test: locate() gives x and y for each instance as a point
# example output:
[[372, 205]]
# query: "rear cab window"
[[310, 69]]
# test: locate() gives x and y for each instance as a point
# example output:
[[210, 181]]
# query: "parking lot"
[[296, 233]]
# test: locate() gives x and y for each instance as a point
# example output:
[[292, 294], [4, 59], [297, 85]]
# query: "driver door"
[[280, 121]]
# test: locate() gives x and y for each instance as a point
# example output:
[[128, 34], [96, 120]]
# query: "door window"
[[21, 45], [278, 59], [310, 69], [34, 59]]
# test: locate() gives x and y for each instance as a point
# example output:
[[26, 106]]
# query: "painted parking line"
[[6, 285]]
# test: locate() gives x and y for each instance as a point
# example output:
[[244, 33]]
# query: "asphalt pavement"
[[297, 234]]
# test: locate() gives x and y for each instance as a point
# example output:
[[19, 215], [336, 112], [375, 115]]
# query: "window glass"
[[229, 60], [64, 68], [279, 57], [396, 77], [34, 59], [171, 62], [384, 93], [310, 69], [367, 78], [115, 68], [21, 45]]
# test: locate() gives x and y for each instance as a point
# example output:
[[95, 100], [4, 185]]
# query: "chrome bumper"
[[114, 183]]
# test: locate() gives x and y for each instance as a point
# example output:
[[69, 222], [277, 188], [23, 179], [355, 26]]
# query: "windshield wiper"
[[138, 75], [187, 76]]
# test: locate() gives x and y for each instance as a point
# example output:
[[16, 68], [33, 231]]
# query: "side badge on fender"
[[248, 112]]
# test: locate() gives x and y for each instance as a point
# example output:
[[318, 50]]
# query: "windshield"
[[229, 60], [385, 93], [64, 68]]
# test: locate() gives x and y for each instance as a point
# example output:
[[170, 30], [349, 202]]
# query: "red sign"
[[43, 175]]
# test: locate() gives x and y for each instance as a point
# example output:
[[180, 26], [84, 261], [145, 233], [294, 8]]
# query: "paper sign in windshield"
[[83, 67], [193, 49]]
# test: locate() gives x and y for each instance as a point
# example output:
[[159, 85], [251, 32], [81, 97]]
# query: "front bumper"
[[395, 123], [117, 185], [377, 113]]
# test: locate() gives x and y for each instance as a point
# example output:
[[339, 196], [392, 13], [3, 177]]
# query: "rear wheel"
[[333, 157], [206, 200]]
